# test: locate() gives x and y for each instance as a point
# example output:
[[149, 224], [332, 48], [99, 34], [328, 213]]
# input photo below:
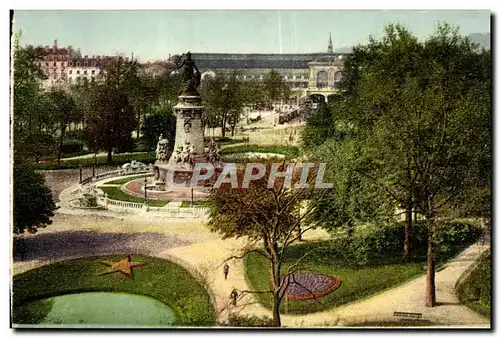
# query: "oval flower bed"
[[306, 286]]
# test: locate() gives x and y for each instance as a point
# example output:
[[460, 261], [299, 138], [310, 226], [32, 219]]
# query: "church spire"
[[330, 44]]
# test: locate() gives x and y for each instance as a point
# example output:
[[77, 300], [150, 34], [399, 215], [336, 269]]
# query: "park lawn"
[[115, 193], [118, 159], [288, 151], [159, 279], [187, 204], [128, 179], [475, 290], [357, 281]]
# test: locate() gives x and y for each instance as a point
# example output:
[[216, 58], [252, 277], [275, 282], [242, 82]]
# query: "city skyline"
[[153, 35]]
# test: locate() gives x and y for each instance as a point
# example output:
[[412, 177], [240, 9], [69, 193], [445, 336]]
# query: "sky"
[[151, 34]]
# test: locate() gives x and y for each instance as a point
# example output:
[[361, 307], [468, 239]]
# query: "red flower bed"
[[306, 286]]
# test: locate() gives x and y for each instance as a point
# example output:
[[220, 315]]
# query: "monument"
[[189, 146]]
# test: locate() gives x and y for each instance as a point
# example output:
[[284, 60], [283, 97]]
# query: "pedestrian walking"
[[234, 296], [226, 270]]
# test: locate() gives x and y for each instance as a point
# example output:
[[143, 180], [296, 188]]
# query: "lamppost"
[[145, 189], [94, 164]]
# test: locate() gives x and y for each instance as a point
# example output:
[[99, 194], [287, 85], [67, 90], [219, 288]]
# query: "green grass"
[[187, 204], [128, 179], [118, 159], [289, 152], [115, 193], [475, 290], [380, 272], [160, 279], [357, 281]]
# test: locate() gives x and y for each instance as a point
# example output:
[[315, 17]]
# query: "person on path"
[[226, 270], [234, 297]]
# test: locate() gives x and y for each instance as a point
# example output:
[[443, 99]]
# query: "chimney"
[[86, 56], [55, 43]]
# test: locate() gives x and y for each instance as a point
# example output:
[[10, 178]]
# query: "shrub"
[[191, 313], [247, 321], [475, 290], [72, 146], [369, 242]]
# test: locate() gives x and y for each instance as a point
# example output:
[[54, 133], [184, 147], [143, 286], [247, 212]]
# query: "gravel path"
[[59, 180]]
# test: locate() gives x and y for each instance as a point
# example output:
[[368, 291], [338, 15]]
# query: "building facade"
[[86, 69], [54, 64], [315, 75]]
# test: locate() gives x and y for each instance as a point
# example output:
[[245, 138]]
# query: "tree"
[[275, 89], [113, 120], [159, 122], [63, 109], [112, 125], [266, 215], [33, 205], [419, 114], [224, 100], [30, 123]]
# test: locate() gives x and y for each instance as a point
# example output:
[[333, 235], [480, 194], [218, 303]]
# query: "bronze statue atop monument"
[[191, 76]]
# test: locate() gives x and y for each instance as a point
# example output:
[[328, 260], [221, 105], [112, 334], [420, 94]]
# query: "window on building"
[[337, 77], [70, 64], [46, 64], [84, 72], [93, 72], [92, 78], [77, 72], [78, 64], [71, 72], [86, 64], [321, 79]]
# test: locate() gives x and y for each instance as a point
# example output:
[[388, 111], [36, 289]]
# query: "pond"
[[102, 309]]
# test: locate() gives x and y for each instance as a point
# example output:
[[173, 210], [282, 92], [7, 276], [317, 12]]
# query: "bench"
[[408, 315]]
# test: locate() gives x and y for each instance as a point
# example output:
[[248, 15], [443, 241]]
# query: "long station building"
[[314, 75]]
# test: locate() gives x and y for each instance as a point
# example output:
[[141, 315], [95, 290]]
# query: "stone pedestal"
[[189, 147], [189, 129]]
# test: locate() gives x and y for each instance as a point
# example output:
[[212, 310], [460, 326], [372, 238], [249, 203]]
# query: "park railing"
[[115, 173], [104, 201], [175, 212]]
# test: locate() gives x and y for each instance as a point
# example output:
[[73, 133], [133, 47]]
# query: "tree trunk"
[[138, 122], [223, 128], [430, 286], [110, 155], [272, 249], [408, 224], [61, 141], [276, 311]]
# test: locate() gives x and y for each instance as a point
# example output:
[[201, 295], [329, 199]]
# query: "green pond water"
[[97, 309]]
